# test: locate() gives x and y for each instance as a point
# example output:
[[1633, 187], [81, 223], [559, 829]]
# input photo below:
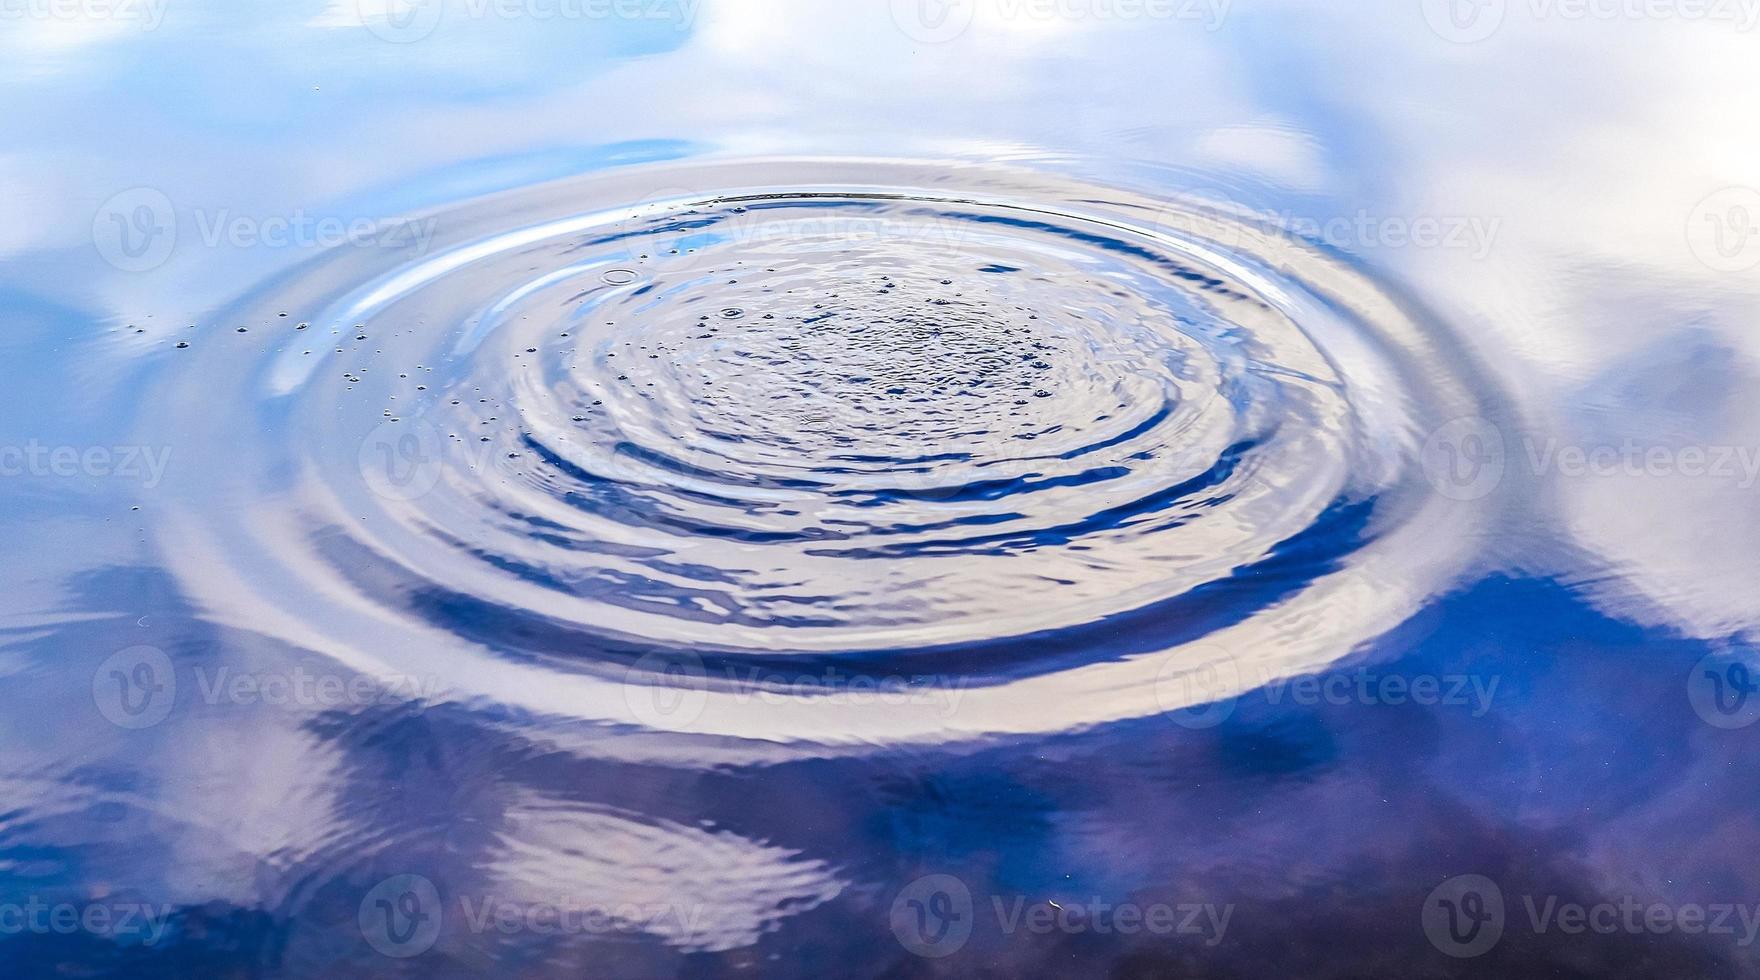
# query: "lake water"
[[558, 488]]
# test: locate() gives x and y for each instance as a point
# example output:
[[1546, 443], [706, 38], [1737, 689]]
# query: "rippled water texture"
[[1031, 436], [878, 489]]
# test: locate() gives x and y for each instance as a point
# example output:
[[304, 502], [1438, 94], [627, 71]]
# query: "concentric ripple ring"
[[640, 434]]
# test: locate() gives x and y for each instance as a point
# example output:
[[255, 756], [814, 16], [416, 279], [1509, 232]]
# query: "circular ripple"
[[1029, 438]]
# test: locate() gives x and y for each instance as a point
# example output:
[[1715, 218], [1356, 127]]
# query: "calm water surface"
[[564, 489]]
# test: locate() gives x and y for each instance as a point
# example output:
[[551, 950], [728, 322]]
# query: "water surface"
[[880, 489]]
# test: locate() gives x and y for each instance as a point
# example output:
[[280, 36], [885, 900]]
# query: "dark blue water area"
[[981, 488], [1321, 827]]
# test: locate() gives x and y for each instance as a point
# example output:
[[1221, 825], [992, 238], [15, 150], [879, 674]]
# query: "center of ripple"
[[811, 423]]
